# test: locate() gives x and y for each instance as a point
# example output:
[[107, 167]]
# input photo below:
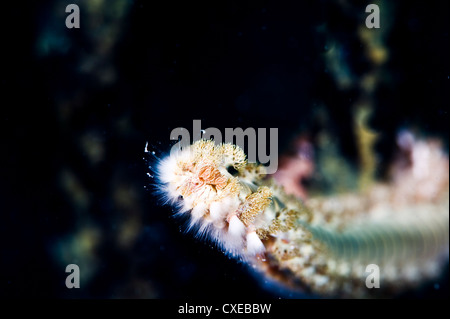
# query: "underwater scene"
[[254, 149]]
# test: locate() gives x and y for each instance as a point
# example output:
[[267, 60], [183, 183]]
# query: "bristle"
[[217, 210], [254, 244], [198, 212], [236, 228]]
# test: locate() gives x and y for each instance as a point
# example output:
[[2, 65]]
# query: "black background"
[[230, 64]]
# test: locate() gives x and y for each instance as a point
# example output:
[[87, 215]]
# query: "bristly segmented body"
[[321, 245]]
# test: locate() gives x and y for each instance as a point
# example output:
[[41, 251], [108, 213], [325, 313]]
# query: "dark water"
[[79, 105]]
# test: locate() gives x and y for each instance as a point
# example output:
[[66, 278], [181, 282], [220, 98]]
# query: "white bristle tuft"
[[254, 244], [198, 212], [217, 210], [167, 168], [236, 228]]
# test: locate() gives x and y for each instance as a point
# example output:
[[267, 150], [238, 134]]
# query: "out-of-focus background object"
[[79, 105]]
